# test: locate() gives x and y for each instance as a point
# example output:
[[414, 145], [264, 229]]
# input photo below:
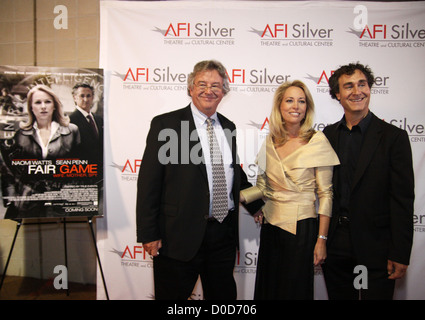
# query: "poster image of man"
[[45, 171], [89, 123]]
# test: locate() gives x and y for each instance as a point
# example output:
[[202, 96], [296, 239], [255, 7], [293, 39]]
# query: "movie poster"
[[51, 142]]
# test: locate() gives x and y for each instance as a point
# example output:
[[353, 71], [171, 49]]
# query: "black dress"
[[285, 269]]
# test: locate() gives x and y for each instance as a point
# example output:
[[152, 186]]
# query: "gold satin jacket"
[[290, 185]]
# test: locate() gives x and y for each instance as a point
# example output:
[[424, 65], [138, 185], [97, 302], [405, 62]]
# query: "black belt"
[[343, 221]]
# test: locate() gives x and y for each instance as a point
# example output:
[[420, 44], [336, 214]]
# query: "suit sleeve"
[[402, 199], [149, 188], [254, 206], [240, 175]]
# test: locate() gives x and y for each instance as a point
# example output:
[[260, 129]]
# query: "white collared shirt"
[[45, 148], [201, 128], [84, 112]]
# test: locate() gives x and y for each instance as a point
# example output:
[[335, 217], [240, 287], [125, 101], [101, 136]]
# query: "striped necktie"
[[93, 125], [219, 201]]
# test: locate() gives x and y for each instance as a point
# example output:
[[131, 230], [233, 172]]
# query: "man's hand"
[[258, 217], [153, 247], [396, 270]]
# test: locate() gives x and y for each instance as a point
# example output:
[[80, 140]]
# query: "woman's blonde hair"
[[277, 125], [58, 114]]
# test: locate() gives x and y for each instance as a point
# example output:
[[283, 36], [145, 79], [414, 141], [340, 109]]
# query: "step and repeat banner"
[[147, 50]]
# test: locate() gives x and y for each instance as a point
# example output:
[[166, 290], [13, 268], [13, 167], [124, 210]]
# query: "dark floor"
[[22, 288]]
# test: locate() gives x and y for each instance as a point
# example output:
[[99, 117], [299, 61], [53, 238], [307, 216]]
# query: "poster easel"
[[63, 220]]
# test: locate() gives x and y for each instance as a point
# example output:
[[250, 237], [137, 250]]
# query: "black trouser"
[[339, 272], [214, 263]]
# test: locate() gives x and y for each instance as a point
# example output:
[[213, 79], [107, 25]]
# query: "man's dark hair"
[[82, 85], [349, 70]]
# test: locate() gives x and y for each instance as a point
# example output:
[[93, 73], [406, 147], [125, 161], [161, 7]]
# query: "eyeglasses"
[[214, 87]]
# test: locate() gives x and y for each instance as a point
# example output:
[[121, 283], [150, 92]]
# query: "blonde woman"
[[295, 167], [47, 134]]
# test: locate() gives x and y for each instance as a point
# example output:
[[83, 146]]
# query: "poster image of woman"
[[46, 136]]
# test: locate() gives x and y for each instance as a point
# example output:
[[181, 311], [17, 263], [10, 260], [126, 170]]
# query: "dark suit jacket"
[[382, 195], [91, 147], [173, 199]]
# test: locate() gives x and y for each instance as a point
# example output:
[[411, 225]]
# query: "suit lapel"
[[370, 143], [194, 142], [228, 132], [229, 129], [333, 138], [83, 125]]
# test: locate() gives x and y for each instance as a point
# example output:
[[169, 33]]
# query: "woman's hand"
[[241, 198], [320, 252]]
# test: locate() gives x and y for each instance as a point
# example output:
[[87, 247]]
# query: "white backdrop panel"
[[148, 49]]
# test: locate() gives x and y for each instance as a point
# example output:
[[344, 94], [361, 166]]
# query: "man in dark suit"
[[372, 219], [89, 124], [176, 196]]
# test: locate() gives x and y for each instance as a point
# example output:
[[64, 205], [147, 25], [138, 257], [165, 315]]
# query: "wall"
[[29, 37]]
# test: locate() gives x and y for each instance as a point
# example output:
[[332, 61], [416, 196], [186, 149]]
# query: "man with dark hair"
[[89, 124], [349, 69], [371, 230], [188, 193]]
